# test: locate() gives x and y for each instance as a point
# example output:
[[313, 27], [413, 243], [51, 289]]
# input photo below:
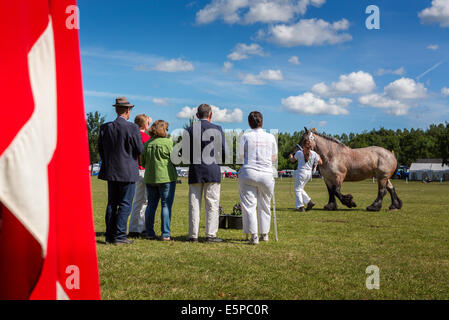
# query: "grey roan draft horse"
[[341, 163]]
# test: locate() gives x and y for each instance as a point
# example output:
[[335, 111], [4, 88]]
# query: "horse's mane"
[[322, 135]]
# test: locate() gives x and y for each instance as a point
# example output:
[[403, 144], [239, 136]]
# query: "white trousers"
[[256, 189], [301, 196], [212, 202], [140, 202]]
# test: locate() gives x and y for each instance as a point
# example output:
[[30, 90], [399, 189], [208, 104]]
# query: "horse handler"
[[307, 160]]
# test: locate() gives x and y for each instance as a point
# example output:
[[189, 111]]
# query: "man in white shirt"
[[307, 160]]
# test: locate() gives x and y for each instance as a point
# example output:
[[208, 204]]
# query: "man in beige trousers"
[[204, 173]]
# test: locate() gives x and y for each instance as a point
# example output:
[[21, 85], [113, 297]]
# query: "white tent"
[[434, 171], [440, 172]]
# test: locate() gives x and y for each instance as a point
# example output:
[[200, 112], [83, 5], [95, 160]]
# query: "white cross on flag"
[[47, 239]]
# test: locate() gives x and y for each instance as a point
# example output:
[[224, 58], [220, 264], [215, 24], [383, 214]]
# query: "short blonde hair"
[[159, 129], [141, 120]]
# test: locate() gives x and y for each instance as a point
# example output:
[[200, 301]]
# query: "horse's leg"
[[382, 187], [396, 203], [332, 204], [346, 199]]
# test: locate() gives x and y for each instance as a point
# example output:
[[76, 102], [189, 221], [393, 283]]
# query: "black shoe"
[[301, 209], [213, 239], [310, 205], [151, 238], [108, 241], [193, 240], [134, 235], [120, 242]]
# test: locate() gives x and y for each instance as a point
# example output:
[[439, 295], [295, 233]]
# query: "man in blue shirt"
[[120, 145]]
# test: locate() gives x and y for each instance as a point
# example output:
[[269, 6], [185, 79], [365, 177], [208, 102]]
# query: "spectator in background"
[[137, 219], [258, 149], [160, 179], [119, 145]]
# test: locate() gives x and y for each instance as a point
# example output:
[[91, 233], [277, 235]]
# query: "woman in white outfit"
[[258, 149], [307, 160]]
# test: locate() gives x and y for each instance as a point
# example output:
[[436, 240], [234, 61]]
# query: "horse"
[[341, 163]]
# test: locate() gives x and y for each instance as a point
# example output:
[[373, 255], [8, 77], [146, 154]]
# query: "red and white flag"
[[47, 239]]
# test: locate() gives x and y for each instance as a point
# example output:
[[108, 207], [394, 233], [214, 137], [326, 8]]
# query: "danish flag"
[[47, 239]]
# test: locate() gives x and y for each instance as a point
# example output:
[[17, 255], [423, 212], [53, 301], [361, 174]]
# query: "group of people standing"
[[136, 163]]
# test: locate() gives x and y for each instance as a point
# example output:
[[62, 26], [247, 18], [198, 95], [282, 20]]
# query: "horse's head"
[[308, 137]]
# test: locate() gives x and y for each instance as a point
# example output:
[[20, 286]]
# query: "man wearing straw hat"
[[120, 145]]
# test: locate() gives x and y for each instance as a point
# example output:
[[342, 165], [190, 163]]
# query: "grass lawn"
[[320, 254]]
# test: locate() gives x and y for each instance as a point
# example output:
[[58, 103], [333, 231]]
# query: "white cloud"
[[294, 60], [391, 106], [445, 91], [437, 13], [186, 113], [308, 32], [242, 51], [218, 115], [354, 83], [264, 75], [253, 11], [399, 72], [310, 104], [160, 101], [397, 96], [174, 65], [433, 47], [227, 66], [406, 88]]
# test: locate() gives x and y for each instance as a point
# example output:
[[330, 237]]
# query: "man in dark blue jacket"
[[207, 152], [120, 145]]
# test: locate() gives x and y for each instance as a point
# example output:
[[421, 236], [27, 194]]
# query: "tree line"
[[408, 144]]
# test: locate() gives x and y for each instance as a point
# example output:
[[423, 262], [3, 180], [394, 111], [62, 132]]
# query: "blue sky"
[[300, 62]]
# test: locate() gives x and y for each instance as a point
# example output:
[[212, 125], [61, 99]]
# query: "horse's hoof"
[[394, 207], [373, 208], [330, 207]]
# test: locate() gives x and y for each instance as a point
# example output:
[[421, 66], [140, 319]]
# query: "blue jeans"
[[166, 193], [120, 198]]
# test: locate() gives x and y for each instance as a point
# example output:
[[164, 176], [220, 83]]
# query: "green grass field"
[[320, 254]]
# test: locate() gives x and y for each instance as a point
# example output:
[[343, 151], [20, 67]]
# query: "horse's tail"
[[397, 165]]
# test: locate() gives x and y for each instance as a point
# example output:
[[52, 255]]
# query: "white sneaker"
[[254, 239], [264, 237]]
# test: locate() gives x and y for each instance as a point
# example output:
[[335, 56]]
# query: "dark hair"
[[159, 129], [121, 110], [203, 111], [255, 120]]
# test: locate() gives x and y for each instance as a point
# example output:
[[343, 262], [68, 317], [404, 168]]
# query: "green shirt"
[[156, 160]]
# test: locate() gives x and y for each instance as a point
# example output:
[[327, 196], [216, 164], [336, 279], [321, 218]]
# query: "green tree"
[[94, 122]]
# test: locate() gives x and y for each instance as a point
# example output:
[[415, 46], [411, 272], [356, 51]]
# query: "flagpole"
[[274, 218]]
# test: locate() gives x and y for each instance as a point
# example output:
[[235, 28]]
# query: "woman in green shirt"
[[160, 179]]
